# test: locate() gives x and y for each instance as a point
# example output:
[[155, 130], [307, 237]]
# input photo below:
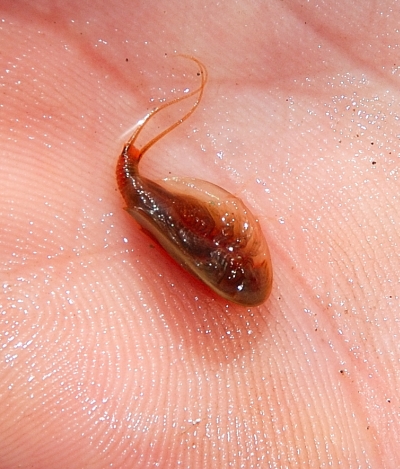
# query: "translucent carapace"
[[207, 230]]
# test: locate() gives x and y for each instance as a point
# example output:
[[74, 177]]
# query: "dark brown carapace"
[[207, 230]]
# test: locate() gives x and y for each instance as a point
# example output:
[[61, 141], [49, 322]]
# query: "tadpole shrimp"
[[207, 230]]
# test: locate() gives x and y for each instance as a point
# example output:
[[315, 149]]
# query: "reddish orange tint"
[[207, 230]]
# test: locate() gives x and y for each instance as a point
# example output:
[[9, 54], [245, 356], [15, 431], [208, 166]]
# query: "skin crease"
[[110, 354]]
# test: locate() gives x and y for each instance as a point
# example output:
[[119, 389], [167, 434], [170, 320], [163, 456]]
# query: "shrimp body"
[[207, 230]]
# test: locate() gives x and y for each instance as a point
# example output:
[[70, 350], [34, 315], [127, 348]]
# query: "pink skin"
[[111, 355]]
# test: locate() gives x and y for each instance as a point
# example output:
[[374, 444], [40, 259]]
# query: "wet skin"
[[109, 354]]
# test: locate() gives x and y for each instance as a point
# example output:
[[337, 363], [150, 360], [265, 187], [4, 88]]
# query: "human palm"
[[111, 353]]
